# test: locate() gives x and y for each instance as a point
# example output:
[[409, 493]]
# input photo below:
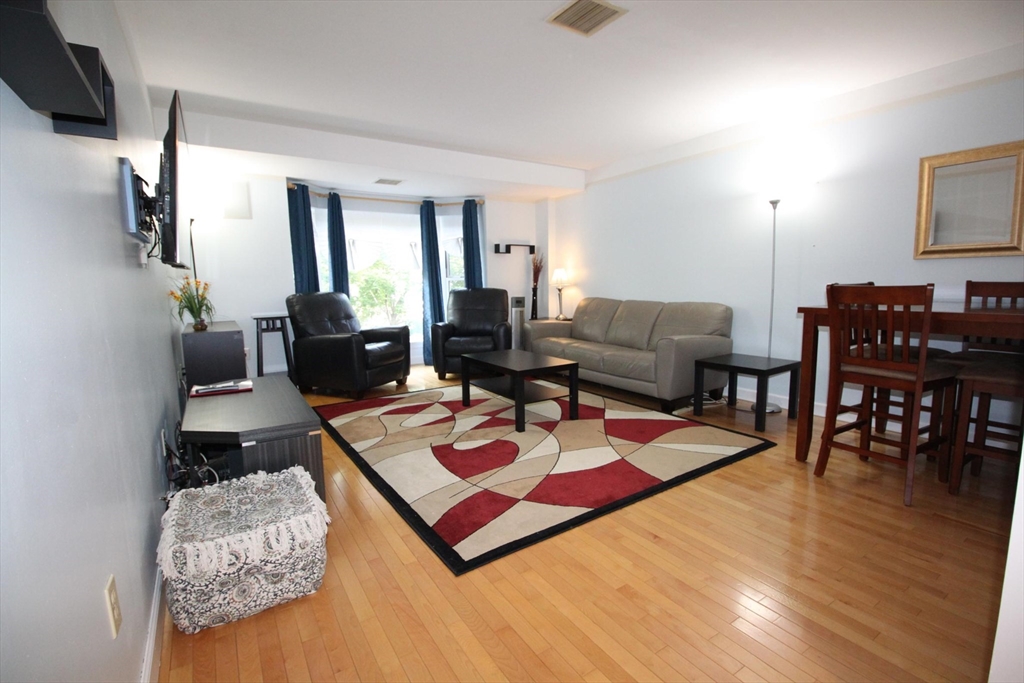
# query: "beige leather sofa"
[[643, 346]]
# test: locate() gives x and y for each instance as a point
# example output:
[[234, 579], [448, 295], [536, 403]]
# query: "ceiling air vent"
[[586, 16], [386, 181]]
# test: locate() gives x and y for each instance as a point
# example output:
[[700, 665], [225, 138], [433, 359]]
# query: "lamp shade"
[[559, 278]]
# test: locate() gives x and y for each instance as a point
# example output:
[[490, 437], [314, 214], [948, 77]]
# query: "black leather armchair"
[[332, 352], [477, 322]]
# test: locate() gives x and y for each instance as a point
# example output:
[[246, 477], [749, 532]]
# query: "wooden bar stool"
[[1000, 378], [882, 318], [272, 322]]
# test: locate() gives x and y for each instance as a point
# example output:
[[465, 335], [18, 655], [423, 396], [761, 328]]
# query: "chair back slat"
[[871, 328], [994, 296]]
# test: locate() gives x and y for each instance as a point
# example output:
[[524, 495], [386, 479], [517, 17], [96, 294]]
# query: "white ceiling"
[[493, 78]]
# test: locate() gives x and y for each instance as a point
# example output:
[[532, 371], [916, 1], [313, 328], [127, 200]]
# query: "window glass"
[[449, 241], [385, 276], [323, 249]]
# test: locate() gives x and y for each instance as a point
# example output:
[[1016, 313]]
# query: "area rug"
[[475, 490]]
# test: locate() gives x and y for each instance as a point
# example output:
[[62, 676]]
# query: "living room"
[[88, 385]]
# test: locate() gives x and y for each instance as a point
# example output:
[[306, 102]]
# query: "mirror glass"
[[969, 203]]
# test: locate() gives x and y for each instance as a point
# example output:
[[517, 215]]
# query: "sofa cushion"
[[631, 363], [691, 318], [590, 355], [633, 323], [591, 319], [551, 346], [456, 346]]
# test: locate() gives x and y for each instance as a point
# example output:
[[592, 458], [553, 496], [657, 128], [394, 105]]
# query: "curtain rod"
[[291, 186]]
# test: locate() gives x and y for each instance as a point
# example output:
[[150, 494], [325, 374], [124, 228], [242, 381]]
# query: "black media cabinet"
[[270, 428]]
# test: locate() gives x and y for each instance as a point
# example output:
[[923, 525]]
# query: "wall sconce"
[[560, 280]]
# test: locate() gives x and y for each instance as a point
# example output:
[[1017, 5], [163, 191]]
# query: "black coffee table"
[[515, 366]]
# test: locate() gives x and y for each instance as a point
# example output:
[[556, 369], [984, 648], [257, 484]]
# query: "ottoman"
[[235, 548]]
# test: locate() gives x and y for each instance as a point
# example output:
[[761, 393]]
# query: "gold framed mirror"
[[969, 203]]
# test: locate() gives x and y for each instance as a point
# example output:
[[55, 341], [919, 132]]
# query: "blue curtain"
[[471, 244], [433, 307], [339, 248], [303, 250]]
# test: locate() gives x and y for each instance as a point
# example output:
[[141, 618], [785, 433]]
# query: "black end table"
[[272, 322], [742, 364], [516, 365]]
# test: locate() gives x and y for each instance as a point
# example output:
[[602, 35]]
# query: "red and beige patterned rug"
[[474, 489]]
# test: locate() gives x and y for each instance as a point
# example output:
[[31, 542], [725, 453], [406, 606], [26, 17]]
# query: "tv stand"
[[270, 428]]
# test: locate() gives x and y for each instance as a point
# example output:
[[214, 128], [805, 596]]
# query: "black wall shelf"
[[50, 74], [508, 248]]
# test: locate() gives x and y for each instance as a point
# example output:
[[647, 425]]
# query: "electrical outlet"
[[246, 352], [113, 606]]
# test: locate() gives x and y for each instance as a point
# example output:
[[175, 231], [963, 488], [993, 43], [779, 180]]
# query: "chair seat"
[[383, 353], [1001, 372], [979, 356], [456, 346], [933, 370], [931, 352]]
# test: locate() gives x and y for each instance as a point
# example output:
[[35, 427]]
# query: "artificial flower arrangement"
[[538, 265], [192, 298]]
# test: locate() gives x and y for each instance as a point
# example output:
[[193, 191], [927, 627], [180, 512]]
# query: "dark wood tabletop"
[[515, 361], [274, 409]]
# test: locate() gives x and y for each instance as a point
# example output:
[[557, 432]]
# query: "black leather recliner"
[[332, 352], [477, 322]]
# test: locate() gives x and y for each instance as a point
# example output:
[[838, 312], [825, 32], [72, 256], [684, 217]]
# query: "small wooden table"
[[741, 364], [516, 365], [272, 322]]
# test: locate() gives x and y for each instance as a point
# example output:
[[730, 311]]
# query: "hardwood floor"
[[758, 571]]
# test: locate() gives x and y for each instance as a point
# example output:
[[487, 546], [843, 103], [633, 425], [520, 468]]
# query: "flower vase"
[[200, 325], [533, 306]]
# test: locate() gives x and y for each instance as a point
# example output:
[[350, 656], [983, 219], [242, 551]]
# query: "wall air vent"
[[386, 181], [586, 16]]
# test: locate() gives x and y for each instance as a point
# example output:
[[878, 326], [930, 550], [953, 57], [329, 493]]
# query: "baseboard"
[[151, 660]]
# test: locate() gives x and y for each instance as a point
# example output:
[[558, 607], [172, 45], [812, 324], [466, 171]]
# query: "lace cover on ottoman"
[[238, 547]]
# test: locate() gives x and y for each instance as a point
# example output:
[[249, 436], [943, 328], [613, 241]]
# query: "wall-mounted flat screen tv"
[[168, 188]]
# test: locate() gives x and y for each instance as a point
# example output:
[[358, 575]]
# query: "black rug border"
[[452, 559]]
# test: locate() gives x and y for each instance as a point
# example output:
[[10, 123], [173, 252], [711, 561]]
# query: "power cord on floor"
[[708, 402]]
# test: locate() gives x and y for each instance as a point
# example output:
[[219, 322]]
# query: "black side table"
[[758, 366], [272, 322]]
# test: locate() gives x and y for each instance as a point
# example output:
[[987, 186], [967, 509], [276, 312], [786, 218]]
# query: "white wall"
[[509, 223], [700, 229], [1007, 657], [247, 261], [87, 383]]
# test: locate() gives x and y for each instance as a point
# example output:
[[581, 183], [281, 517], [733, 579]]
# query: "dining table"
[[948, 319]]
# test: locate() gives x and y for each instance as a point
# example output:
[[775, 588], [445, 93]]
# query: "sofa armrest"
[[399, 335], [329, 359], [538, 329], [674, 358], [502, 336]]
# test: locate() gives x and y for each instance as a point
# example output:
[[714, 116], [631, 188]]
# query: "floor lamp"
[[769, 406]]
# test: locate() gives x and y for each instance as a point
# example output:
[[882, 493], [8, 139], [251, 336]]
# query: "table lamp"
[[560, 280]]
